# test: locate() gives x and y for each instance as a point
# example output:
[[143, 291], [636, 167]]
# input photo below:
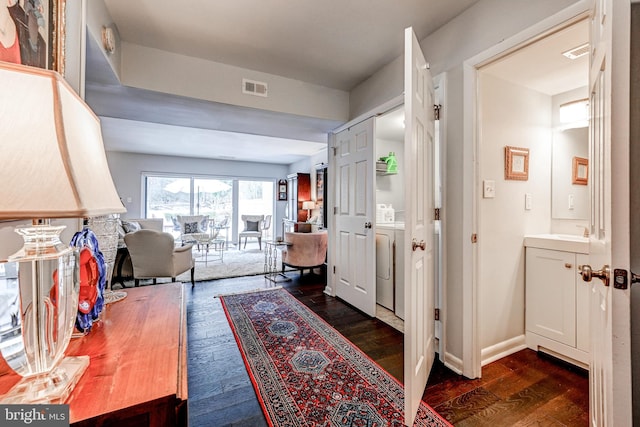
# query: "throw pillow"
[[130, 226], [252, 225], [190, 227], [204, 223]]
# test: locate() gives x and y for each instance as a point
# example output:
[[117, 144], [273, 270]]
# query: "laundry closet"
[[389, 198]]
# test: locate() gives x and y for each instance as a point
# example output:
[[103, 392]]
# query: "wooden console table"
[[137, 375]]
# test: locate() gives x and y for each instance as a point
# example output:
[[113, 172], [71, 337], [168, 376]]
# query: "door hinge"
[[437, 314], [335, 151], [335, 210], [437, 214], [334, 269], [436, 111], [474, 238]]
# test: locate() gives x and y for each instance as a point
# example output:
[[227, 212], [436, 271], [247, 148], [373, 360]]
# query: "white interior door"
[[419, 339], [610, 365], [354, 233]]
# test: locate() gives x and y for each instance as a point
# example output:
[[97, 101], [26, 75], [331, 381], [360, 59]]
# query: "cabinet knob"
[[568, 265]]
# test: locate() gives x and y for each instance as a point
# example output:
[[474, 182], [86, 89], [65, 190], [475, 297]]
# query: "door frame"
[[471, 348]]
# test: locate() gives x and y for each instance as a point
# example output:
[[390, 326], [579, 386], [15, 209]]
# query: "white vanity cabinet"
[[556, 320]]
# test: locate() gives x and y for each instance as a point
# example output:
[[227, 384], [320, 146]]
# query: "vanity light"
[[575, 114]]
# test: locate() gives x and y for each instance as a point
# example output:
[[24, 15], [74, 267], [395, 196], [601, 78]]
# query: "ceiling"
[[541, 66], [331, 43]]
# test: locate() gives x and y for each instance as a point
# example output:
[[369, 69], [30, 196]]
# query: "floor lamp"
[[54, 166]]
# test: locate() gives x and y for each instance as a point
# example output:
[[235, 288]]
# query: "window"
[[167, 196]]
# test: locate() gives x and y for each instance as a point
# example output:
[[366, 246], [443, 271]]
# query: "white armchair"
[[253, 225], [153, 254]]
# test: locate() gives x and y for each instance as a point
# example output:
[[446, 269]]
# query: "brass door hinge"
[[437, 314], [436, 111], [437, 214]]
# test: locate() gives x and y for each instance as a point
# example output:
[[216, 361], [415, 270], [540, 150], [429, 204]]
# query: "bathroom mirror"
[[568, 199]]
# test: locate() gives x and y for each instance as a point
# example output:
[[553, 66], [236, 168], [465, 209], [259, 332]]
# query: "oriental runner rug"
[[306, 373]]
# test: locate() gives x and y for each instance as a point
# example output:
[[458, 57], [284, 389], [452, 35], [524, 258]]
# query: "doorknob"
[[415, 245], [588, 273], [367, 225]]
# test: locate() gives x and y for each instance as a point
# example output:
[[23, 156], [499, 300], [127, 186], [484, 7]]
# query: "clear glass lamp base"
[[53, 387]]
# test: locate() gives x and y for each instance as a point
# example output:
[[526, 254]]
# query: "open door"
[[610, 364], [354, 233], [419, 339]]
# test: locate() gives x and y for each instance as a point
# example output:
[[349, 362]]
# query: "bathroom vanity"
[[557, 300]]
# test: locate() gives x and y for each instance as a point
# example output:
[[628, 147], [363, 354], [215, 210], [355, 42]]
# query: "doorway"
[[519, 96]]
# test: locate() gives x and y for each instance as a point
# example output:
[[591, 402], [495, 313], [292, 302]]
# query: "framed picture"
[[282, 189], [39, 26], [580, 174], [516, 163]]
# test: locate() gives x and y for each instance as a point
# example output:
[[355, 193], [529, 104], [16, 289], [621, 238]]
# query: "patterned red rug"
[[306, 374]]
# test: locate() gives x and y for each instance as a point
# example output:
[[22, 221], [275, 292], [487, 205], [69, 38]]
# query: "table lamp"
[[308, 205], [53, 166]]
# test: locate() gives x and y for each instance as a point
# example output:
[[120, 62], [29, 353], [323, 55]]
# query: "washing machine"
[[389, 270]]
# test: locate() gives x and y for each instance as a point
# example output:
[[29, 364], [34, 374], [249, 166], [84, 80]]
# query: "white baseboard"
[[453, 363], [502, 349]]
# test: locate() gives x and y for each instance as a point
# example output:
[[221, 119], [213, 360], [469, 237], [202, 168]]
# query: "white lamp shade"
[[53, 159], [308, 205]]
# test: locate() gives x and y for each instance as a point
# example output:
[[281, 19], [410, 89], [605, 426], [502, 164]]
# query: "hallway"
[[522, 389]]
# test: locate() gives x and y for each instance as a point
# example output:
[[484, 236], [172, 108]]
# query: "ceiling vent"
[[577, 52], [252, 87]]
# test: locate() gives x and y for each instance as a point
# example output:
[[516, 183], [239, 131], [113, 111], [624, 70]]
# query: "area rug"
[[235, 263], [305, 373]]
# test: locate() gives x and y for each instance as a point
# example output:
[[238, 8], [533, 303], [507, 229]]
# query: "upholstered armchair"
[[193, 228], [153, 254], [253, 225], [305, 250]]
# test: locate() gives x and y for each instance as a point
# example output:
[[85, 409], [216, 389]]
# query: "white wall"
[[485, 25], [201, 79], [97, 17], [511, 115]]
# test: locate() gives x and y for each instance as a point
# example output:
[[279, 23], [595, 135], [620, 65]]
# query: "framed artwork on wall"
[[580, 174], [282, 189], [516, 163], [39, 28]]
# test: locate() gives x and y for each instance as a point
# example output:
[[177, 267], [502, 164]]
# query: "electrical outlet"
[[488, 189], [527, 201]]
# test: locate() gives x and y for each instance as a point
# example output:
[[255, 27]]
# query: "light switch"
[[527, 201], [129, 200], [571, 203], [488, 189]]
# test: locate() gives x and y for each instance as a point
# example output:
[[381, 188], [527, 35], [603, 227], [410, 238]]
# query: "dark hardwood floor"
[[525, 389]]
